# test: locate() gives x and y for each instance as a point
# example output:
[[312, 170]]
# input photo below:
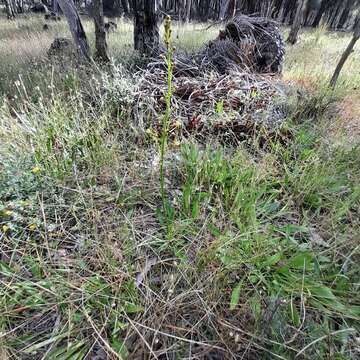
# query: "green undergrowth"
[[256, 256], [266, 235]]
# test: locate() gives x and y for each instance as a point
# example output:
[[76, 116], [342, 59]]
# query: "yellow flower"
[[177, 124], [5, 228], [35, 170], [32, 227], [8, 212], [177, 143]]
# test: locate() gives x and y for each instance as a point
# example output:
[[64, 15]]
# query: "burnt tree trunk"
[[294, 32], [76, 27], [347, 53], [10, 9], [319, 14], [223, 9], [188, 10], [20, 6], [55, 7], [227, 9], [125, 6], [146, 27], [101, 52]]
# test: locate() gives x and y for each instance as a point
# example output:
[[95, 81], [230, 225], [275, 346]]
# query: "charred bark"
[[188, 10], [295, 28], [227, 9], [10, 9], [125, 5], [101, 52], [146, 27], [320, 13]]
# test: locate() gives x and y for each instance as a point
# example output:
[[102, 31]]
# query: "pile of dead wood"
[[234, 105], [250, 43], [246, 44], [227, 88]]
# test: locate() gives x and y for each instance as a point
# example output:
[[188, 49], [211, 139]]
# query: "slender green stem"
[[167, 115]]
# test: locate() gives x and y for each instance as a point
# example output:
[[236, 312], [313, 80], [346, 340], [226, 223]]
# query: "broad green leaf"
[[120, 348], [235, 296], [130, 308], [255, 305], [5, 269], [272, 260], [302, 261], [322, 292]]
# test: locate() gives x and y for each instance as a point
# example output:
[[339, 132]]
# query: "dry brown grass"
[[313, 60], [345, 128]]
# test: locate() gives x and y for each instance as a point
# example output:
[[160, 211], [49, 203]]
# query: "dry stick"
[[177, 337], [323, 338], [343, 59], [347, 52], [142, 337], [41, 204], [253, 336], [106, 344]]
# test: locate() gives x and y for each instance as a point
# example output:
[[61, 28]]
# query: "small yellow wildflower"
[[35, 170], [177, 143], [177, 124], [7, 212], [32, 227], [5, 228]]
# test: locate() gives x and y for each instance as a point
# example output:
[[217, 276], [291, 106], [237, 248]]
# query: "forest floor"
[[257, 254]]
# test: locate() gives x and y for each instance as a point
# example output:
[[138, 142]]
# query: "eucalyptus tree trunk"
[[20, 6], [10, 9], [347, 52], [188, 10], [101, 52], [146, 27], [125, 5], [55, 6], [300, 11], [227, 9], [319, 14], [76, 27], [335, 13], [223, 9]]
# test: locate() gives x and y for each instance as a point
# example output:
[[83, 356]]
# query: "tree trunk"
[[346, 53], [188, 10], [20, 6], [146, 28], [76, 27], [223, 9], [301, 8], [227, 9], [101, 52], [125, 6], [55, 6], [345, 14], [10, 9]]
